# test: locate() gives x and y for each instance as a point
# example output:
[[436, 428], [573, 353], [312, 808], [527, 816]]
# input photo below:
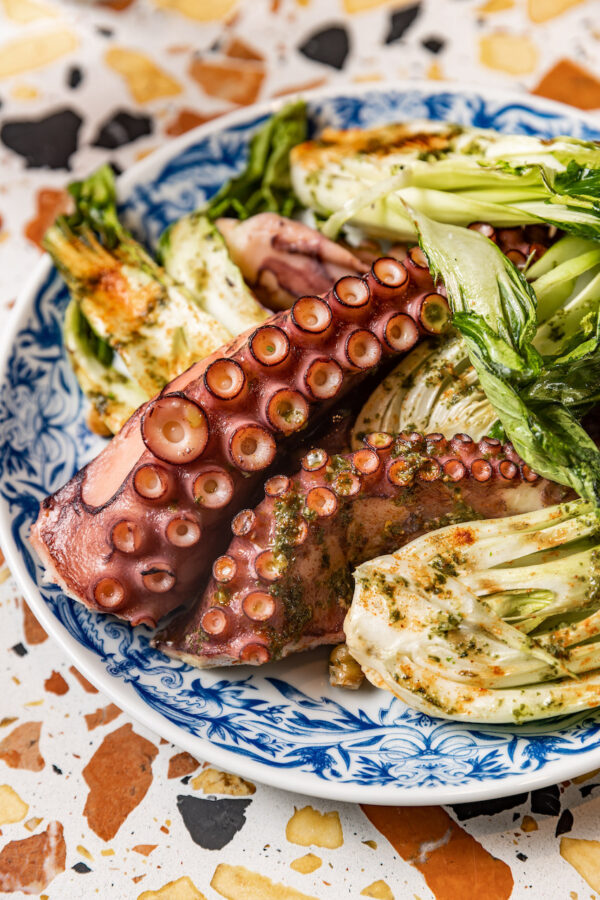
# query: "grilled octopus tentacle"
[[285, 582], [135, 531]]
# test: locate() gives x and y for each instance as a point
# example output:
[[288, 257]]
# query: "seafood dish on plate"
[[350, 401]]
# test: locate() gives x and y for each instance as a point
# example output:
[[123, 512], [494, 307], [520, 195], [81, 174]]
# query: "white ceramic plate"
[[281, 724]]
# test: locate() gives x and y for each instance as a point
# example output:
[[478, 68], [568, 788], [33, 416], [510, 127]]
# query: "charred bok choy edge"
[[455, 174], [128, 302], [537, 397], [487, 621]]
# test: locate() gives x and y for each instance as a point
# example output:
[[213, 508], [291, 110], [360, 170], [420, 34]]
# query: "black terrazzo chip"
[[487, 807], [329, 46], [546, 801], [122, 128], [522, 857], [20, 649], [212, 823], [48, 142], [433, 44], [565, 823], [74, 77], [81, 868], [401, 21]]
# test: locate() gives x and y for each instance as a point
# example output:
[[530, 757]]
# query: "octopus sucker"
[[138, 530], [289, 565]]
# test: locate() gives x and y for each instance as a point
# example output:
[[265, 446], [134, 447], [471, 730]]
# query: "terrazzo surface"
[[91, 803]]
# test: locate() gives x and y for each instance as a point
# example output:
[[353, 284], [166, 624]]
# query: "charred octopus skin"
[[135, 531], [285, 583]]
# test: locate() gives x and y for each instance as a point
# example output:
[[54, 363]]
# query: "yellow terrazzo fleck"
[[529, 824], [83, 852], [358, 6], [34, 703], [379, 890], [434, 72], [371, 844], [494, 6], [579, 779], [107, 852], [24, 11], [12, 808], [24, 91], [515, 54], [34, 51], [239, 883], [200, 10], [182, 889], [146, 81], [542, 10], [306, 864], [584, 856], [212, 781], [32, 824], [309, 826]]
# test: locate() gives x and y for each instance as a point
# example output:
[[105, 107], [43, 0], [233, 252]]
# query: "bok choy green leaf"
[[536, 397], [265, 184]]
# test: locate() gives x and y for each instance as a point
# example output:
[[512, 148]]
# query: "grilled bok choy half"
[[124, 303], [453, 173], [492, 621], [538, 394], [436, 388]]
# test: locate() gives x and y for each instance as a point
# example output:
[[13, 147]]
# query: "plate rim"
[[91, 666]]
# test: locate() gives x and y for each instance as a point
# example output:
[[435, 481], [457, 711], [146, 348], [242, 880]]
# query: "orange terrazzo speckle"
[[569, 82], [118, 775], [232, 80], [182, 764], [49, 204], [453, 863], [56, 684], [185, 120], [144, 849], [237, 48], [85, 684], [20, 749], [31, 864], [32, 630], [102, 716]]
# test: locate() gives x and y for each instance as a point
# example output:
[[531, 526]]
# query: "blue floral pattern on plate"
[[282, 717]]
